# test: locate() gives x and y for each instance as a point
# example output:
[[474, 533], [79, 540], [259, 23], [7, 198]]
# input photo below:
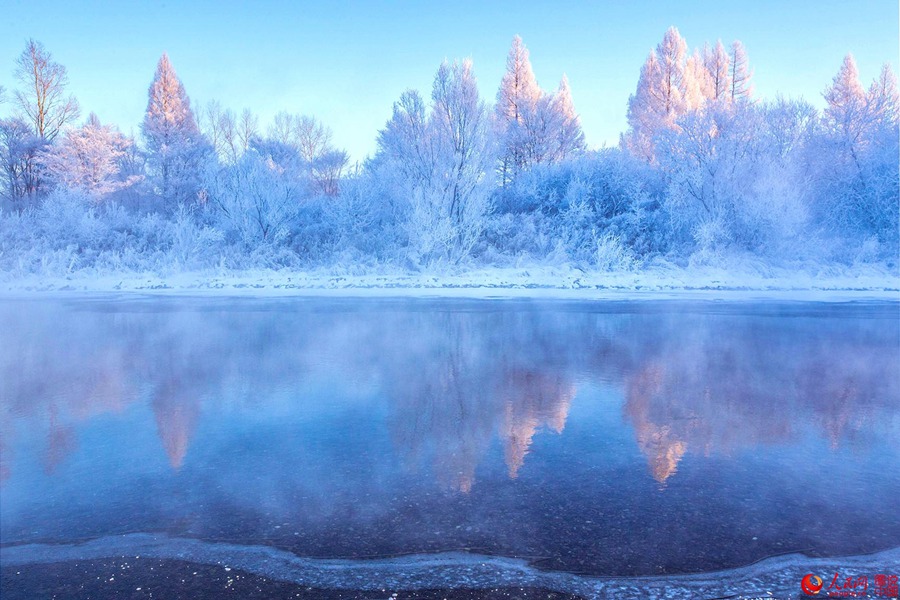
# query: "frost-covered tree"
[[282, 128], [313, 138], [660, 96], [880, 168], [176, 150], [220, 127], [532, 127], [537, 142], [247, 129], [792, 127], [645, 119], [728, 186], [42, 98], [440, 164], [460, 126], [698, 83], [308, 141], [740, 73], [718, 65], [846, 114], [551, 131], [19, 151], [327, 171], [325, 163], [88, 159], [405, 143], [517, 103], [254, 200], [308, 135], [671, 53], [569, 137], [857, 163], [882, 98]]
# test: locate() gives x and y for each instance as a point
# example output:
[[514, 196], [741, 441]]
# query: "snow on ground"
[[538, 282]]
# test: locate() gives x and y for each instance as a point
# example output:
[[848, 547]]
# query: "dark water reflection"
[[605, 438]]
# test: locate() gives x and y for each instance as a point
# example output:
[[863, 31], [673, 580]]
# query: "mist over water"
[[599, 438]]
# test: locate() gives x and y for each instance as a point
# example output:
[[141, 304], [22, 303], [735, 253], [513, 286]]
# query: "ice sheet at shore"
[[777, 577]]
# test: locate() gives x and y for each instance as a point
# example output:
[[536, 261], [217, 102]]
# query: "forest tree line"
[[704, 172]]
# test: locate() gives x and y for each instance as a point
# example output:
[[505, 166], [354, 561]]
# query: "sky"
[[347, 62]]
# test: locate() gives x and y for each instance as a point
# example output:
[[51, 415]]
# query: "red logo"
[[886, 586], [811, 584]]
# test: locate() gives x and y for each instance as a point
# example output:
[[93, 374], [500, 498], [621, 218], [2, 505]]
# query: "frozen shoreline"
[[452, 570], [538, 283]]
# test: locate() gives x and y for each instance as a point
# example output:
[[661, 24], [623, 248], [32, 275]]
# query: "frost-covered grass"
[[535, 280]]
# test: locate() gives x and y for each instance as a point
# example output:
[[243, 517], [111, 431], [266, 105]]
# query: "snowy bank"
[[538, 282]]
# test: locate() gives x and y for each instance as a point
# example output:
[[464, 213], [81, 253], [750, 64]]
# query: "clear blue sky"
[[346, 62]]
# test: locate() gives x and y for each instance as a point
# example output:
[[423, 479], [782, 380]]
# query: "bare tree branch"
[[43, 99]]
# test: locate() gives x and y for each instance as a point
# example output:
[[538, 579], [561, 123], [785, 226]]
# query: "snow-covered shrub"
[[366, 219], [611, 255], [189, 244], [576, 202], [254, 201], [70, 218]]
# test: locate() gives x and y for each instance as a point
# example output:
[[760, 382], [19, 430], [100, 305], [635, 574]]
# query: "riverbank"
[[539, 282]]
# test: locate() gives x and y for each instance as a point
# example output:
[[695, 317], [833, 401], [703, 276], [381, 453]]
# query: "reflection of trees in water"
[[60, 442], [61, 367], [454, 380], [849, 387], [531, 399], [65, 369], [52, 372], [715, 389], [655, 439], [176, 412], [181, 365], [465, 386], [445, 403]]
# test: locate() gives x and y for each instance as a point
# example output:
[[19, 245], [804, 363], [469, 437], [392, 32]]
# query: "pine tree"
[[882, 98], [519, 90], [718, 64], [660, 95], [698, 83], [846, 98], [569, 136], [517, 101], [741, 86], [175, 147], [671, 54], [643, 116]]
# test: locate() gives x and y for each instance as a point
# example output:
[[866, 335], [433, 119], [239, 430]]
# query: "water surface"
[[602, 438]]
